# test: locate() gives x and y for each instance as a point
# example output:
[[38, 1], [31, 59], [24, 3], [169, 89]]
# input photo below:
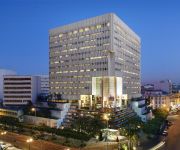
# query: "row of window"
[[81, 30], [16, 79], [17, 83], [16, 92], [73, 71], [14, 88], [74, 87], [16, 101], [15, 96]]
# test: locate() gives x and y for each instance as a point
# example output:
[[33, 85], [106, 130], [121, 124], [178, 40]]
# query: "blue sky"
[[24, 26]]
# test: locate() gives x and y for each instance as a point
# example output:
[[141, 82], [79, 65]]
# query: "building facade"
[[164, 85], [20, 90], [96, 47], [2, 73], [160, 101], [142, 109], [44, 84], [12, 112]]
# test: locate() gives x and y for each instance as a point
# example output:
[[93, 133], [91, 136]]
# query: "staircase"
[[121, 117], [69, 118]]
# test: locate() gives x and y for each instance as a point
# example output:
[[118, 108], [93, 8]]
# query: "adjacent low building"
[[12, 112], [159, 99], [142, 109], [20, 90], [175, 100], [176, 88], [34, 120], [44, 85], [4, 72]]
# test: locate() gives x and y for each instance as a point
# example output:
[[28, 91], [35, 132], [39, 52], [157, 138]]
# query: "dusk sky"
[[24, 26]]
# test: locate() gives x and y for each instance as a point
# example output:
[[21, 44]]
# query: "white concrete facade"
[[140, 108], [40, 121], [2, 73], [19, 90], [95, 47]]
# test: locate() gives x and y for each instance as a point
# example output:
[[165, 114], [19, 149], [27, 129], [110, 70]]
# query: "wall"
[[39, 120]]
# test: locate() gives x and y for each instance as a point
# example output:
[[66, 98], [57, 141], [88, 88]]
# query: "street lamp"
[[3, 133], [106, 117], [34, 110], [29, 141], [138, 127]]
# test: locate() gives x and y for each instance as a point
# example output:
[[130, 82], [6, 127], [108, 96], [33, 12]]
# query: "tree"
[[10, 121], [160, 113], [89, 125]]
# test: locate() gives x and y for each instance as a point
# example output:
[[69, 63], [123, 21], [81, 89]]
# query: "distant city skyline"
[[25, 24]]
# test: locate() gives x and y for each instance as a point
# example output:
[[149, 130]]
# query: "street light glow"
[[33, 109], [106, 117], [3, 133], [29, 140]]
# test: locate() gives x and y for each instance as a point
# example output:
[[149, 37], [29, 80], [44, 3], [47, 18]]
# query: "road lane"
[[20, 142], [173, 138]]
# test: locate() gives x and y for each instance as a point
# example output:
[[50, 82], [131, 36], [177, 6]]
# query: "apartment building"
[[20, 90], [160, 101], [103, 46]]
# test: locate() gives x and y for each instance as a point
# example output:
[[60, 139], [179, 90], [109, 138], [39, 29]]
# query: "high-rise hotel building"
[[103, 46]]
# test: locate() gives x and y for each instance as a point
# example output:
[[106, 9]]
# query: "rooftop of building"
[[68, 27]]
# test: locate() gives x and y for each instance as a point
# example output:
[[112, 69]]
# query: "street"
[[173, 138], [20, 142]]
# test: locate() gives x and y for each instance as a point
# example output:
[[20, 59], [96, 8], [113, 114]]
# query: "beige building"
[[103, 46], [165, 100], [160, 101], [175, 100]]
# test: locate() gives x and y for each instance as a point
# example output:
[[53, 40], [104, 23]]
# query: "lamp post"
[[3, 133], [34, 110], [106, 117], [29, 141]]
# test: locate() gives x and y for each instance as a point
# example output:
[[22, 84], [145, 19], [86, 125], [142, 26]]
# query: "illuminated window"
[[81, 30], [75, 32], [86, 29], [70, 33], [60, 35], [98, 26], [108, 24], [92, 28]]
